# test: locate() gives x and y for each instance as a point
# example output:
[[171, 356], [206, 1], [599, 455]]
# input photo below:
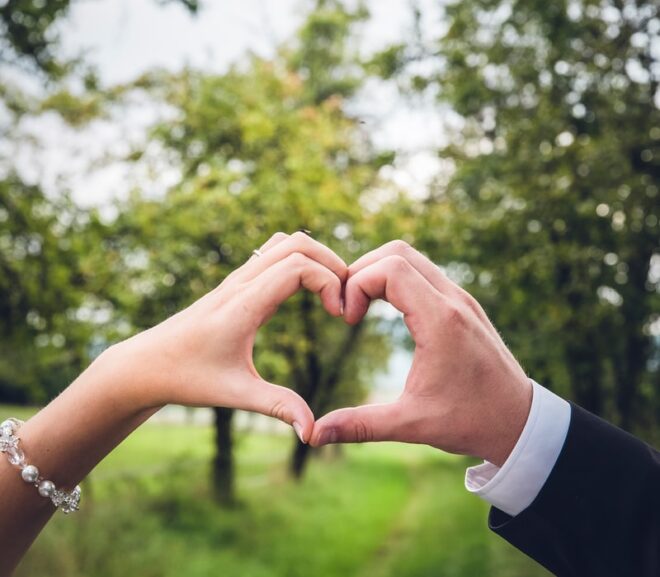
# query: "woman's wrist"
[[126, 373], [86, 421]]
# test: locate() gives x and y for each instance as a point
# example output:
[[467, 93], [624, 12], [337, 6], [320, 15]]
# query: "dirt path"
[[403, 526]]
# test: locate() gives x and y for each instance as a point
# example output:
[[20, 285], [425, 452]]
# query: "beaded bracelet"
[[67, 502]]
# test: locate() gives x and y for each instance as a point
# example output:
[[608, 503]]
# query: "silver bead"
[[30, 474], [46, 488], [6, 430]]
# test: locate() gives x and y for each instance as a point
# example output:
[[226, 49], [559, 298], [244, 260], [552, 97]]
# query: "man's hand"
[[465, 392]]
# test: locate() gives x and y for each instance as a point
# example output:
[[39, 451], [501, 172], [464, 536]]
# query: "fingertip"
[[335, 306], [300, 431], [356, 302], [303, 415], [327, 436], [351, 319], [343, 277], [352, 270], [355, 309], [303, 424], [331, 297], [320, 436], [284, 404]]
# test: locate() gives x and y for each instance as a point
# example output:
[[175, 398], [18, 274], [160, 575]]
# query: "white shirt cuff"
[[513, 487]]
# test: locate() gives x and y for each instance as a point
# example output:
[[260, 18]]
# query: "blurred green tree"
[[551, 211], [266, 146], [50, 304], [46, 316]]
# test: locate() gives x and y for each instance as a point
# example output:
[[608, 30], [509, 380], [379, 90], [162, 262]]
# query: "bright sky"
[[124, 38]]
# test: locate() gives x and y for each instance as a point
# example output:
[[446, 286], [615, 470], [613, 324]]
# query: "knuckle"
[[297, 259], [398, 263], [362, 432], [279, 236], [300, 238], [398, 246], [470, 302], [455, 315], [278, 409]]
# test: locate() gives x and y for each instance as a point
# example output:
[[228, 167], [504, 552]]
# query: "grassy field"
[[380, 510]]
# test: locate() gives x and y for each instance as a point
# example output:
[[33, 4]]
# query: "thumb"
[[281, 403], [358, 425]]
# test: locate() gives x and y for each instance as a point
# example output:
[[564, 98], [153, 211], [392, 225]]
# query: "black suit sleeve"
[[598, 514]]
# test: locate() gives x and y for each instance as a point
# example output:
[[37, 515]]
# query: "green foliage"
[[51, 276], [44, 276], [75, 109], [27, 33], [324, 56], [256, 157], [553, 206]]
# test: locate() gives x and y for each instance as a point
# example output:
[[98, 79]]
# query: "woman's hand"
[[202, 356]]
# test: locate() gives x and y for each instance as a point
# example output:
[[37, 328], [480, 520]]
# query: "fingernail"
[[297, 427], [306, 231], [328, 437]]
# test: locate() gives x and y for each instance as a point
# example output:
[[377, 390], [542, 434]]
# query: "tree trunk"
[[585, 369], [299, 459], [586, 382], [321, 384], [310, 388], [630, 368], [223, 461]]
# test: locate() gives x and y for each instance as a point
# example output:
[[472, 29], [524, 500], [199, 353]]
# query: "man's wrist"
[[507, 424], [515, 485]]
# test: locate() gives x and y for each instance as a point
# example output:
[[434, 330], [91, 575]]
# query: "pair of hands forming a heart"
[[465, 392]]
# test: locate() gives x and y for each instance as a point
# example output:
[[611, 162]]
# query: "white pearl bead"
[[46, 488], [30, 473]]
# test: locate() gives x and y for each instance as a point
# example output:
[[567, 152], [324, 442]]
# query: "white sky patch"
[[125, 38]]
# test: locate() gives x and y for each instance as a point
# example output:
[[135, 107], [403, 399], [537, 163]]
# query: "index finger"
[[286, 277], [426, 267], [392, 279], [298, 242]]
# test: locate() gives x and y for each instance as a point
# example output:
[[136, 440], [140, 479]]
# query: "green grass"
[[381, 510], [19, 412]]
